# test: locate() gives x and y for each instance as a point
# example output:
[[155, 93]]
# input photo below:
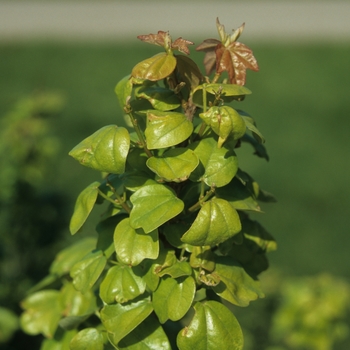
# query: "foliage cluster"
[[176, 239]]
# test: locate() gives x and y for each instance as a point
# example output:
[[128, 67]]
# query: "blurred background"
[[59, 64]]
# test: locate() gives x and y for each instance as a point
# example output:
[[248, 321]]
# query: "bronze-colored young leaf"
[[208, 46], [182, 45], [156, 39]]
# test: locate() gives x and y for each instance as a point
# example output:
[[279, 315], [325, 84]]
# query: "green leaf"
[[203, 258], [60, 341], [87, 339], [250, 123], [105, 150], [133, 246], [174, 165], [225, 122], [9, 324], [121, 284], [180, 268], [215, 223], [148, 335], [123, 90], [213, 327], [155, 68], [217, 166], [86, 271], [173, 298], [236, 285], [259, 148], [166, 129], [238, 195], [153, 206], [160, 98], [121, 319], [42, 313], [225, 92], [69, 256], [83, 206]]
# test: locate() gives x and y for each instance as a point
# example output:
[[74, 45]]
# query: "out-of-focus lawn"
[[300, 102]]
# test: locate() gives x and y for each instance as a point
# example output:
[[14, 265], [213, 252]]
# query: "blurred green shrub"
[[31, 211]]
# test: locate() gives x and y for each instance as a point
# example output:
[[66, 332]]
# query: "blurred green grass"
[[300, 102]]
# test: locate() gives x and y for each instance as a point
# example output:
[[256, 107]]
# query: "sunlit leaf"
[[174, 165], [166, 129], [179, 269], [87, 339], [181, 45], [121, 319], [160, 39], [83, 206], [153, 206], [215, 223], [133, 245], [155, 68], [213, 327], [121, 284], [105, 150], [173, 298], [42, 313], [236, 285], [86, 271]]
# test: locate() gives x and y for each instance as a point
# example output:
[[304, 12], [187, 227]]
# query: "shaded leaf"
[[160, 98], [173, 298], [217, 166], [83, 206], [121, 319], [155, 68], [87, 339], [188, 71], [166, 129], [149, 335], [133, 245], [215, 223], [212, 327], [203, 258], [123, 90], [174, 165], [86, 271], [208, 46], [235, 286], [121, 284], [153, 206], [178, 269], [105, 150]]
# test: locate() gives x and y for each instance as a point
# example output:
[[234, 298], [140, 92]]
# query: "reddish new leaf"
[[236, 58], [181, 45], [157, 39], [208, 46]]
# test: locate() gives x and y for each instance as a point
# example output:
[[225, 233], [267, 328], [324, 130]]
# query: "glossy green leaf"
[[173, 298], [238, 195], [213, 327], [155, 68], [69, 256], [160, 98], [174, 165], [133, 245], [225, 122], [121, 319], [166, 129], [149, 335], [105, 150], [121, 284], [123, 90], [215, 223], [180, 268], [87, 339], [217, 166], [224, 92], [86, 271], [236, 285], [83, 206], [153, 206], [133, 182], [42, 313]]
